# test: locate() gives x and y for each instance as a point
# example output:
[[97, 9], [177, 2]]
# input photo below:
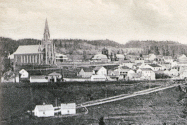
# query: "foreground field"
[[155, 108]]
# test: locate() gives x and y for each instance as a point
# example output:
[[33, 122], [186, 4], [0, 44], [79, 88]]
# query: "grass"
[[154, 108]]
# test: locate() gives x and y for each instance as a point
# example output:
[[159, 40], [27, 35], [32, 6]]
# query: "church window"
[[23, 59], [27, 59], [35, 58], [30, 58]]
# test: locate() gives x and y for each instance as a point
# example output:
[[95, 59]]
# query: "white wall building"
[[44, 110], [24, 73], [68, 108], [147, 73], [100, 70]]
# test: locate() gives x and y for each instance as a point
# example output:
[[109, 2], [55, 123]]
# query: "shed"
[[68, 108], [44, 110]]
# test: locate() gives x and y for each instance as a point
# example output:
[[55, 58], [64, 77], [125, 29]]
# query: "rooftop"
[[28, 49]]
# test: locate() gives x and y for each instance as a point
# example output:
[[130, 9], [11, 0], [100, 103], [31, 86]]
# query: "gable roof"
[[97, 68], [28, 49], [44, 107], [154, 65], [146, 69], [99, 56], [54, 74], [111, 67], [87, 69], [68, 106]]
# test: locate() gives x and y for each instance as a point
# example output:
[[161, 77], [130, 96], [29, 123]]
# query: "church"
[[44, 53]]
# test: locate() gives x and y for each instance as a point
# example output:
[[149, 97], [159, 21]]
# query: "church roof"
[[28, 49]]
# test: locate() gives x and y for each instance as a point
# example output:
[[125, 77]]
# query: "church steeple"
[[46, 32]]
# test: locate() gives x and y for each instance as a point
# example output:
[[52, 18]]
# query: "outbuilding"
[[68, 108], [44, 110]]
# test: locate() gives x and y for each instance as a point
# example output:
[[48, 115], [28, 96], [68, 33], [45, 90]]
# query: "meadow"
[[155, 108]]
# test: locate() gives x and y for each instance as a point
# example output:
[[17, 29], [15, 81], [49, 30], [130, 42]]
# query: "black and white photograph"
[[93, 62]]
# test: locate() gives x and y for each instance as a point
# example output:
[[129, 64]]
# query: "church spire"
[[46, 31]]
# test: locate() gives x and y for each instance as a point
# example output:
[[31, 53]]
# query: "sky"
[[117, 20]]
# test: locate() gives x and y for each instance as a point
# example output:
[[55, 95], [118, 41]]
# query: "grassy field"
[[156, 108]]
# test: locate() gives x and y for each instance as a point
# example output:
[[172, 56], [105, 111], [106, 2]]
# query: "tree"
[[84, 55], [101, 122]]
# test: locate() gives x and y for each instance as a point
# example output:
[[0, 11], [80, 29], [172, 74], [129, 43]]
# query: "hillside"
[[90, 47], [166, 48]]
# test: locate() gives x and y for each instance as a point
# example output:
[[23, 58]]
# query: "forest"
[[79, 46]]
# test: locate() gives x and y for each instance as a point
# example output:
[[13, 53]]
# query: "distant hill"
[[142, 44], [166, 48], [90, 47]]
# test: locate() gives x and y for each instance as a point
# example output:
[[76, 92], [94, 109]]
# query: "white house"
[[44, 110], [100, 70], [68, 108], [168, 59], [147, 73], [100, 58], [38, 79], [85, 72], [24, 73], [154, 67], [183, 74], [60, 57], [120, 57], [54, 76], [98, 78], [149, 57]]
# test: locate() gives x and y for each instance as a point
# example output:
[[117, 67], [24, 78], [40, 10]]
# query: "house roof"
[[125, 67], [44, 107], [154, 65], [97, 68], [68, 106], [28, 49], [120, 56], [99, 56], [98, 76], [111, 67], [146, 69], [87, 69], [22, 71], [54, 74], [38, 77], [167, 57]]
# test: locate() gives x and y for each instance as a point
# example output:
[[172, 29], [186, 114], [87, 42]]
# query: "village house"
[[183, 74], [68, 108], [44, 110], [120, 57], [168, 59], [147, 73], [23, 74], [172, 72], [85, 72], [60, 58], [38, 79], [100, 58], [139, 60], [100, 70], [98, 78], [149, 57], [54, 77], [154, 67]]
